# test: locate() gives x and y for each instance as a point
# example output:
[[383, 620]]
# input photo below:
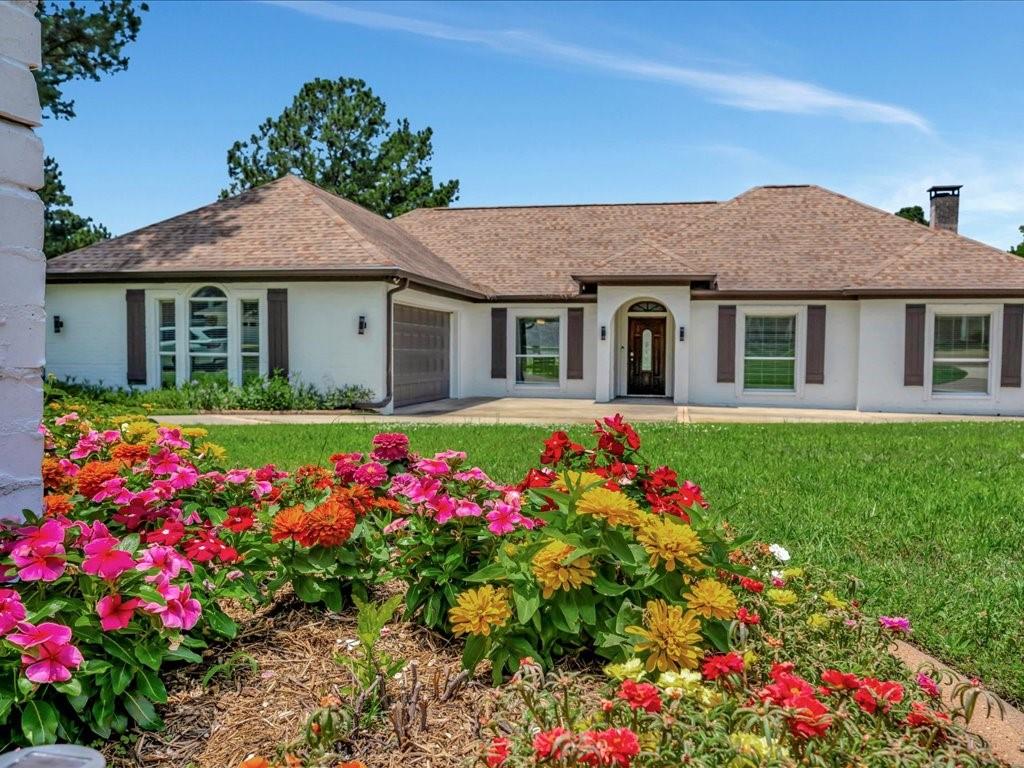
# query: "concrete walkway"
[[535, 410]]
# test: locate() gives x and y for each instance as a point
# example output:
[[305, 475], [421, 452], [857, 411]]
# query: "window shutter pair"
[[814, 368], [277, 333], [499, 345]]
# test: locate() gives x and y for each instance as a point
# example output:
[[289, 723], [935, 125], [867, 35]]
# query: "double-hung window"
[[249, 314], [960, 354], [167, 341], [769, 352], [208, 333], [537, 350]]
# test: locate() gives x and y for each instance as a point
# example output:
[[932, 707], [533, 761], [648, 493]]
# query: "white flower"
[[780, 552], [776, 574]]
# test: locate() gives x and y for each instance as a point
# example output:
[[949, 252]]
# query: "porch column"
[[605, 369]]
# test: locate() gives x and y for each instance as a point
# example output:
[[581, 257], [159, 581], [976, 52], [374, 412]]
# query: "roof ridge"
[[442, 209]]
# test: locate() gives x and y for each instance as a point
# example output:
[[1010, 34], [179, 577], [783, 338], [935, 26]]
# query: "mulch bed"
[[276, 673]]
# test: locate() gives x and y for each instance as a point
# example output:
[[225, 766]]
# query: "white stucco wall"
[[324, 346], [841, 357], [22, 265], [880, 380]]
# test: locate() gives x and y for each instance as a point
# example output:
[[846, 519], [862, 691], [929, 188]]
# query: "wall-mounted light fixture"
[[57, 323], [362, 324], [682, 333], [604, 332]]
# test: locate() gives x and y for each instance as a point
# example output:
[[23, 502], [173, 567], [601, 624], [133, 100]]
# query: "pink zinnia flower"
[[371, 474], [895, 623], [31, 635], [51, 662], [11, 610], [390, 446], [116, 613], [104, 559]]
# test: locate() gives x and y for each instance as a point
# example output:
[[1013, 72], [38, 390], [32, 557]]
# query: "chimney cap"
[[946, 189]]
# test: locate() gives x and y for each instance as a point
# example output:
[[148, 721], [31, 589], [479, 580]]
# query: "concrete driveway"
[[536, 410]]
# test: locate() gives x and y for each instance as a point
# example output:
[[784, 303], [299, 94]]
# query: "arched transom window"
[[647, 306], [208, 333]]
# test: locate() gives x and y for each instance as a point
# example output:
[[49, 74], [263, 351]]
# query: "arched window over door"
[[208, 333], [647, 306]]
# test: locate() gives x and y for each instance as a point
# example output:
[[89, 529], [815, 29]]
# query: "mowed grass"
[[929, 517]]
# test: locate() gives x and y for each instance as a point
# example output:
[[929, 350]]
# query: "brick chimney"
[[945, 207]]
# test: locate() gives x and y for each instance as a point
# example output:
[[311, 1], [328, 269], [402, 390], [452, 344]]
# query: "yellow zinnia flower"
[[665, 539], [553, 573], [670, 637], [782, 597], [576, 479], [614, 507], [214, 451], [478, 611], [711, 599], [193, 432]]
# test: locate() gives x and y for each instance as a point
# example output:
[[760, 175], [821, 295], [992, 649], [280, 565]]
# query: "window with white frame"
[[769, 352], [538, 350], [167, 342], [208, 333], [249, 317], [960, 354]]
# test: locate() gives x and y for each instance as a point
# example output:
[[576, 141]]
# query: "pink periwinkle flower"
[[371, 474], [30, 635], [11, 610], [51, 662], [111, 436], [180, 611], [432, 466], [34, 565], [401, 484], [390, 446], [443, 507], [68, 467], [396, 525], [467, 508], [166, 560], [451, 456], [171, 438], [115, 490], [164, 462], [86, 446], [45, 538], [237, 476], [184, 477], [472, 475], [423, 490], [115, 612], [104, 559], [261, 488], [503, 518], [895, 623], [60, 421]]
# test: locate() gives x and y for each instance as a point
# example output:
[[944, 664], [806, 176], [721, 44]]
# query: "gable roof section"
[[288, 226]]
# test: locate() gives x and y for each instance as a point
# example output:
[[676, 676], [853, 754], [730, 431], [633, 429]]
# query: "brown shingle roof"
[[288, 225], [792, 238]]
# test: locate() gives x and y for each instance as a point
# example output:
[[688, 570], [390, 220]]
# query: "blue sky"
[[578, 102]]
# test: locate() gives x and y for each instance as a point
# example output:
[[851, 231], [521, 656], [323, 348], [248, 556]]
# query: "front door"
[[646, 365]]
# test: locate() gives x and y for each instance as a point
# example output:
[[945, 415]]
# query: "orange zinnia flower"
[[288, 524], [387, 505], [57, 504], [358, 497], [92, 475], [320, 477], [254, 762], [328, 525], [130, 453], [53, 476]]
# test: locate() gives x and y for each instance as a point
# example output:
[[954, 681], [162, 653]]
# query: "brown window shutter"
[[277, 331], [574, 354], [815, 369], [499, 343], [913, 347], [726, 343], [1013, 337], [136, 300]]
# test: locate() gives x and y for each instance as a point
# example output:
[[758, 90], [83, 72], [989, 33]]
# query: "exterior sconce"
[[682, 333], [57, 324], [604, 332], [362, 325]]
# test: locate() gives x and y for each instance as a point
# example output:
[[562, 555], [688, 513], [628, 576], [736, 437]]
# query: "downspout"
[[402, 284]]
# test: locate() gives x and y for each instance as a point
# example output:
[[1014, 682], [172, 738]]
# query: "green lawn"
[[929, 516]]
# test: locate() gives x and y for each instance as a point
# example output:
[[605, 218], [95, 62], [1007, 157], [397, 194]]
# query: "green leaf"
[[220, 622], [718, 633], [47, 609], [526, 606], [39, 722], [181, 653], [121, 677], [142, 711], [116, 649], [492, 572], [608, 588], [150, 655], [151, 686], [72, 687], [474, 651], [129, 542], [308, 589], [569, 612]]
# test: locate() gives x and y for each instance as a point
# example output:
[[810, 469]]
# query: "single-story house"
[[784, 295]]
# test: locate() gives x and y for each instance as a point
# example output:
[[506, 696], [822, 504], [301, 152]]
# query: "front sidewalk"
[[521, 410]]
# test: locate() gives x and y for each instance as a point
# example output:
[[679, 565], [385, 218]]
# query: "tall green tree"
[[1018, 250], [336, 135], [913, 213], [79, 42]]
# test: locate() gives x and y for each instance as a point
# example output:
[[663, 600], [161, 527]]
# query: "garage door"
[[422, 352]]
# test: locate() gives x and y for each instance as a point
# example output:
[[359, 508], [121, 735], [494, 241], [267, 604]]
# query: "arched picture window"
[[208, 333], [647, 306]]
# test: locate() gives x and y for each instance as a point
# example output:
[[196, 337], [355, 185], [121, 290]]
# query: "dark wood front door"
[[645, 369]]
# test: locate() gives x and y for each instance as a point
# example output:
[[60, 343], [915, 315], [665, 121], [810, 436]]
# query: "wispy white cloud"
[[750, 91]]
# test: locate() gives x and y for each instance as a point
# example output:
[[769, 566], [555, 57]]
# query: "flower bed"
[[720, 650]]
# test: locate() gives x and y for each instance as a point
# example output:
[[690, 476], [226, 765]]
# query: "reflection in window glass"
[[208, 333], [960, 356], [167, 343], [537, 350], [769, 352], [250, 314]]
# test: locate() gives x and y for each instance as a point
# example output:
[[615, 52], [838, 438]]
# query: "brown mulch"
[[277, 671]]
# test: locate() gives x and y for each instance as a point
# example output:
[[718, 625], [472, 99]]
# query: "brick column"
[[22, 265]]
